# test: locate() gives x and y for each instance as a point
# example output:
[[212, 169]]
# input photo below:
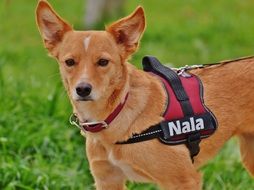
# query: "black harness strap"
[[192, 144], [152, 64], [152, 132]]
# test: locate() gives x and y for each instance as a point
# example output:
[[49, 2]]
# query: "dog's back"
[[229, 92]]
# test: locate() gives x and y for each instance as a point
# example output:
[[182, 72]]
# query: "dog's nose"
[[84, 89]]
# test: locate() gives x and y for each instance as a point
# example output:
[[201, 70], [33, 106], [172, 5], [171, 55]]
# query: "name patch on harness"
[[177, 131], [178, 127]]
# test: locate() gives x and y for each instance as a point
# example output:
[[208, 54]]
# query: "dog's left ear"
[[128, 31]]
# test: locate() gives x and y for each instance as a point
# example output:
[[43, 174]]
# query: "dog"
[[98, 78]]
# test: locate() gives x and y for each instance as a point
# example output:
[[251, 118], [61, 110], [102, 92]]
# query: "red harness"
[[194, 90], [191, 86], [186, 120]]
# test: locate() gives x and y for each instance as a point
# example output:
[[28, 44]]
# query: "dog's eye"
[[70, 62], [103, 62]]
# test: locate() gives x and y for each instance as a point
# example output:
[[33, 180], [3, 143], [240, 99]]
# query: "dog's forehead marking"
[[86, 42]]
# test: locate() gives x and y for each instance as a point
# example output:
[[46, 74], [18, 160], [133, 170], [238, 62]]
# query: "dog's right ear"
[[51, 26], [128, 31]]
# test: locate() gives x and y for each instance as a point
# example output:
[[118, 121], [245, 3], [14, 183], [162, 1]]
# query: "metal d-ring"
[[74, 121]]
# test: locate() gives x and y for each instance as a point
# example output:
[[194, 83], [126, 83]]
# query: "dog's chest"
[[128, 171]]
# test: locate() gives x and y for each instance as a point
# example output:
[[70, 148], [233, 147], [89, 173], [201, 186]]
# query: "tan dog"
[[98, 61]]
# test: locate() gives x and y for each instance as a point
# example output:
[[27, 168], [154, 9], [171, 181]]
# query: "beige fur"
[[228, 93]]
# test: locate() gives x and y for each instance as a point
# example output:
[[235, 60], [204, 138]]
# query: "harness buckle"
[[88, 124]]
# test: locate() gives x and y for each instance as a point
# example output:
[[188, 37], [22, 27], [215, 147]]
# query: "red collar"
[[98, 126]]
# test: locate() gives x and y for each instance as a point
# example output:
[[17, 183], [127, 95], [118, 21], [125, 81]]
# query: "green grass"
[[39, 149]]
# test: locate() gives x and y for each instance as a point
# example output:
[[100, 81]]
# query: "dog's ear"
[[128, 31], [51, 26]]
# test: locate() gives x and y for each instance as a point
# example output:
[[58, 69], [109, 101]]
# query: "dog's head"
[[92, 63]]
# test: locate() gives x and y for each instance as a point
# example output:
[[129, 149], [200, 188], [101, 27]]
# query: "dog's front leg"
[[186, 183], [106, 175]]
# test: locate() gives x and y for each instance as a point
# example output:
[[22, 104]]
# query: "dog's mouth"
[[84, 99]]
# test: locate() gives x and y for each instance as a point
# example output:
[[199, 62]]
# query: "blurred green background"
[[40, 150]]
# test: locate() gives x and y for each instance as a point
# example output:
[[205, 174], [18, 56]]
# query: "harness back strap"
[[151, 64]]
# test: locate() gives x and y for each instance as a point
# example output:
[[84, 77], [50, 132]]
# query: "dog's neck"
[[99, 110], [145, 91]]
